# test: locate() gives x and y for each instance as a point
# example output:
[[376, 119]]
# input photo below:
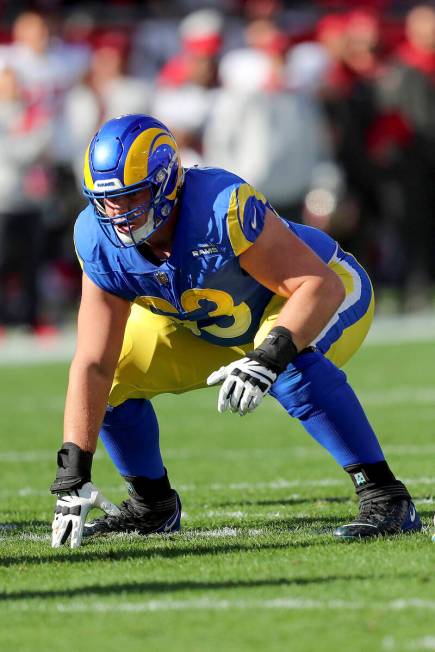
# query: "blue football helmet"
[[126, 155]]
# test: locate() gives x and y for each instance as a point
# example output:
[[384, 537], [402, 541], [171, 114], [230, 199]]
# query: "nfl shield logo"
[[162, 278]]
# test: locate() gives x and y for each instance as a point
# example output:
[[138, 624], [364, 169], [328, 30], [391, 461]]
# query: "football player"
[[190, 278]]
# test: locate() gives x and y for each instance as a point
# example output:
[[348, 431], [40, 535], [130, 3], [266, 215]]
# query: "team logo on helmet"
[[129, 154]]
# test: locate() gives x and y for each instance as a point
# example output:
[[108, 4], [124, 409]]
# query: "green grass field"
[[255, 566]]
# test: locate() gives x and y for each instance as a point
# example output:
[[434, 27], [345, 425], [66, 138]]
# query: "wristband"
[[73, 468], [276, 351]]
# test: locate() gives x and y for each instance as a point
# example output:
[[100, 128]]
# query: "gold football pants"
[[161, 354]]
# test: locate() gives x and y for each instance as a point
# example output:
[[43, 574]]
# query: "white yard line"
[[381, 397], [398, 329], [215, 533], [19, 349], [240, 486], [402, 395], [278, 484], [16, 457], [15, 532], [288, 484], [14, 528], [213, 604], [46, 455]]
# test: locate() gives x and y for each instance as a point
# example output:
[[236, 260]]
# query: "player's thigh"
[[161, 355], [347, 329]]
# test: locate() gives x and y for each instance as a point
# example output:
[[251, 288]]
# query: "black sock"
[[376, 481], [151, 492]]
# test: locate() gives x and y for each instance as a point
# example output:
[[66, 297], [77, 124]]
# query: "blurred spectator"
[[362, 44], [245, 70], [307, 65], [25, 187], [185, 111], [258, 9], [330, 34], [309, 107], [263, 35], [105, 92], [46, 68], [186, 83], [201, 42], [154, 42], [328, 204], [406, 147], [349, 98], [116, 90], [269, 136]]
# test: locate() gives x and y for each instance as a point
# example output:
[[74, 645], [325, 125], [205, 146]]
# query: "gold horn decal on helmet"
[[179, 177], [136, 162], [89, 182]]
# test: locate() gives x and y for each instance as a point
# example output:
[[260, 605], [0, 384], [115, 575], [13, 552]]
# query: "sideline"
[[21, 349]]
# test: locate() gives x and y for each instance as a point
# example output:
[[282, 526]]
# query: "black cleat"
[[381, 517], [160, 517]]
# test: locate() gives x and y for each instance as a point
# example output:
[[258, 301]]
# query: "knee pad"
[[304, 388]]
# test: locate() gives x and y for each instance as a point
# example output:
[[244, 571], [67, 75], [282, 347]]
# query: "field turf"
[[255, 567]]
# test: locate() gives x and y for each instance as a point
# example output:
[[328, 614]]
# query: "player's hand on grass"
[[71, 510], [245, 382]]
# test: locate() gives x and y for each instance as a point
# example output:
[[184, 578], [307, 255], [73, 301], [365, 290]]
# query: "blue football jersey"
[[201, 284]]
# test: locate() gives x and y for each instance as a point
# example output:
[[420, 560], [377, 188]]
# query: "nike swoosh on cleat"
[[170, 524]]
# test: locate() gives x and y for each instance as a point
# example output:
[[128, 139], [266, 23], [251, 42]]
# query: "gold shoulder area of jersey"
[[206, 250]]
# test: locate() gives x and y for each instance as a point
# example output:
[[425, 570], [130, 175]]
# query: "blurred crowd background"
[[326, 107]]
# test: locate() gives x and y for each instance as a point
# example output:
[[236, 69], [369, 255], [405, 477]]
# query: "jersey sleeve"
[[245, 216], [96, 262]]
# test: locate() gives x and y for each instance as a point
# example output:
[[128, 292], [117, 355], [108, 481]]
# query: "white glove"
[[72, 507], [246, 381]]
